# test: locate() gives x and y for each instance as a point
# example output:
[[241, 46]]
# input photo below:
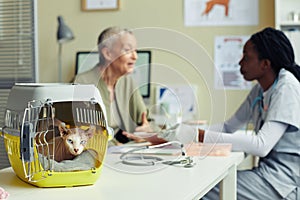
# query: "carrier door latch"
[[26, 142]]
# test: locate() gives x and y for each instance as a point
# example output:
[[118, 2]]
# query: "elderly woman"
[[117, 56]]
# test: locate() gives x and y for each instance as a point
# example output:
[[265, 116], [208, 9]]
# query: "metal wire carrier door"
[[39, 127]]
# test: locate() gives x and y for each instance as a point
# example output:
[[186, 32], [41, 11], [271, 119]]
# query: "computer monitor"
[[86, 60]]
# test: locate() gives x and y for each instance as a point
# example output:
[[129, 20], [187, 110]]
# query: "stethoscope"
[[262, 107], [260, 98], [147, 160]]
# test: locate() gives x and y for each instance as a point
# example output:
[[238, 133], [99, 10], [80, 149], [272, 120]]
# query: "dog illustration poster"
[[227, 53], [220, 12]]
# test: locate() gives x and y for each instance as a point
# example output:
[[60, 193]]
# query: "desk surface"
[[119, 181]]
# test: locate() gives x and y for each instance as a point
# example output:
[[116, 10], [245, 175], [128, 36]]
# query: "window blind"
[[18, 42]]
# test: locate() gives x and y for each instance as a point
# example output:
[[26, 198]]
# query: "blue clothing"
[[278, 173]]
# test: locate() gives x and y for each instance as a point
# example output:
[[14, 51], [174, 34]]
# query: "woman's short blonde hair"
[[107, 38]]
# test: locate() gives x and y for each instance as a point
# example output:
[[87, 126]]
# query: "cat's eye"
[[83, 142], [70, 141]]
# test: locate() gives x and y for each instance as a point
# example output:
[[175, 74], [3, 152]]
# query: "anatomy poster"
[[220, 12], [228, 52]]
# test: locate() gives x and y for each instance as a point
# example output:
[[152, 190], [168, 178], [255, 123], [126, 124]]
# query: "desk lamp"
[[64, 34]]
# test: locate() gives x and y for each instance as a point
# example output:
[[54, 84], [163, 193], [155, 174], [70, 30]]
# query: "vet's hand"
[[201, 134]]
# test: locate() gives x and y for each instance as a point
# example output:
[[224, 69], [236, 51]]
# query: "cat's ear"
[[90, 132], [57, 122], [62, 129]]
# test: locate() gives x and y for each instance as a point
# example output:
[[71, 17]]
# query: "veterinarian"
[[123, 101], [273, 107]]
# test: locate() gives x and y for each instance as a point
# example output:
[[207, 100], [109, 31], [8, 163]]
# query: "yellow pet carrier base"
[[46, 178]]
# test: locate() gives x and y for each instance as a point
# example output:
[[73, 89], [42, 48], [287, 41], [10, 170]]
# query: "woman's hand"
[[148, 134], [148, 137], [145, 127], [134, 137]]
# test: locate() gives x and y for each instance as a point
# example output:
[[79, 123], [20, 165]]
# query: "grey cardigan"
[[129, 102]]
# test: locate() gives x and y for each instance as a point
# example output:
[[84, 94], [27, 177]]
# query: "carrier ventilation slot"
[[90, 116], [13, 119]]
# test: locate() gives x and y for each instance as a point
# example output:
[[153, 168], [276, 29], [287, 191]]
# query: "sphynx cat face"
[[75, 139]]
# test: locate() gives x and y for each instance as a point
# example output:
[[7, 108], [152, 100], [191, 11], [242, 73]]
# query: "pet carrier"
[[38, 116]]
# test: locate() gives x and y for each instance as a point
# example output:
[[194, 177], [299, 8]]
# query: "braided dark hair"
[[274, 45]]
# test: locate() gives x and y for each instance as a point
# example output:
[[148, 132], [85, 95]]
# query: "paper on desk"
[[208, 149], [158, 151]]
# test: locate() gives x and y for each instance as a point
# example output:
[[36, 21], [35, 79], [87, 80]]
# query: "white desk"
[[119, 181]]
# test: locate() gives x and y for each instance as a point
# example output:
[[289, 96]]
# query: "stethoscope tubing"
[[146, 160]]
